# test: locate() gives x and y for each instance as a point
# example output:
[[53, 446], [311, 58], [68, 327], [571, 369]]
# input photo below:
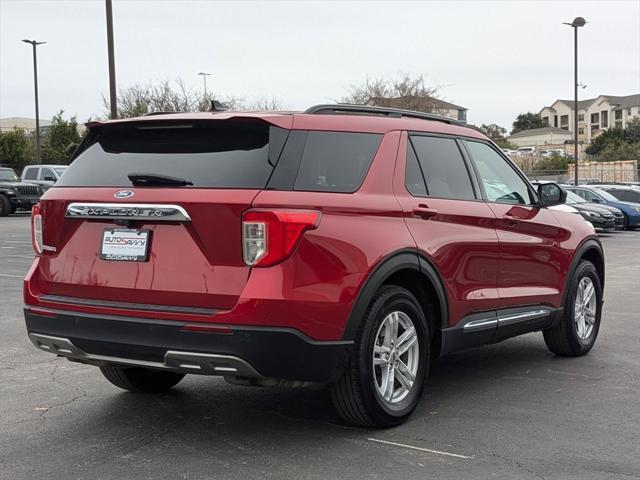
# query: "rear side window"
[[443, 167], [31, 174], [220, 154], [335, 161]]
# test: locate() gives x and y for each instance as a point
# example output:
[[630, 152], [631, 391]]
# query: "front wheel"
[[383, 380], [141, 380], [5, 206], [577, 331]]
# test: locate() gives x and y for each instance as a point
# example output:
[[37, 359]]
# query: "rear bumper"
[[168, 345], [23, 202]]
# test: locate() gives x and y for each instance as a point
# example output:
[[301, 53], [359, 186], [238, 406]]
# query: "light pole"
[[204, 79], [577, 23], [34, 44], [113, 102]]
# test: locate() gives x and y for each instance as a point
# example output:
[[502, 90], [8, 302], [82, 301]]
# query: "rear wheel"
[[383, 380], [5, 206], [577, 331], [141, 380]]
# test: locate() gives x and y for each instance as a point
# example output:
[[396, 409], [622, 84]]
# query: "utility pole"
[[577, 23], [34, 44], [113, 101]]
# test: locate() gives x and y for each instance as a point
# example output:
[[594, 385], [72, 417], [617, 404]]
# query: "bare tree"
[[137, 100], [407, 92]]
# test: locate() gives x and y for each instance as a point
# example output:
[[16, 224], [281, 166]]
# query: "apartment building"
[[594, 115]]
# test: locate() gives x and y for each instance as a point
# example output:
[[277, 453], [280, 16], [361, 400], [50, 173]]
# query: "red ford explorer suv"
[[346, 245]]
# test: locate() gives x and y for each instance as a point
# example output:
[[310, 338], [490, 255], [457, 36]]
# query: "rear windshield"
[[221, 154]]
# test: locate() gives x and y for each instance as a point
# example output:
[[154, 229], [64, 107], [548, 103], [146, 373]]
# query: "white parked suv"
[[44, 175], [526, 150]]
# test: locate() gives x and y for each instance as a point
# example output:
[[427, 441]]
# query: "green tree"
[[61, 140], [617, 143], [527, 121], [15, 148]]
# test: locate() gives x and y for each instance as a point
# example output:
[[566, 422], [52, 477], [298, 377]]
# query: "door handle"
[[510, 220], [423, 211]]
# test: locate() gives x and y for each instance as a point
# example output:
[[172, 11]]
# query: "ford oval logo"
[[123, 194]]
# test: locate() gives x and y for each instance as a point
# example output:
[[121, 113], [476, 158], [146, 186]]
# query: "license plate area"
[[125, 245]]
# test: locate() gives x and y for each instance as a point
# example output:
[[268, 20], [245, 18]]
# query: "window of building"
[[581, 117], [604, 119], [595, 118], [618, 114], [555, 120], [545, 121], [581, 131], [564, 120]]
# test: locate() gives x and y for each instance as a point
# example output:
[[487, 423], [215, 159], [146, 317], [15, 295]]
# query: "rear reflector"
[[36, 229], [220, 330], [269, 236]]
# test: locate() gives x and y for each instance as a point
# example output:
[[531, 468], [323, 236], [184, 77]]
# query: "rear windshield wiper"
[[157, 180]]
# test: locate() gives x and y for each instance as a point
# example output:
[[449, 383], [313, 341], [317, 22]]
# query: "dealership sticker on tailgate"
[[125, 245]]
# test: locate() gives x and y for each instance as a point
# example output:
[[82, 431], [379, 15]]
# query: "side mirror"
[[550, 194]]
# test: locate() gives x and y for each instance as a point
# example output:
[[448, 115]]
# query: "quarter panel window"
[[336, 161], [443, 167], [413, 179], [501, 182]]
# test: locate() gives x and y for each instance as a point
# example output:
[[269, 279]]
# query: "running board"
[[174, 360], [495, 326]]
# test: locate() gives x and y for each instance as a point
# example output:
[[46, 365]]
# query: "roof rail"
[[370, 110]]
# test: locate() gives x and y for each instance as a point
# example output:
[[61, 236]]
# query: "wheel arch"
[[589, 249], [408, 269]]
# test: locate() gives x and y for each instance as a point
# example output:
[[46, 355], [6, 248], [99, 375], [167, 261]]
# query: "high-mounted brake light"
[[269, 236], [36, 228]]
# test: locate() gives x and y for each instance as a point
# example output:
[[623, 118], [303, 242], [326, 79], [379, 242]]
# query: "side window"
[[32, 174], [587, 195], [443, 167], [336, 161], [46, 174], [413, 179], [502, 183]]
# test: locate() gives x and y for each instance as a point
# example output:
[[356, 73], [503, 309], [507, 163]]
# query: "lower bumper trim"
[[176, 361]]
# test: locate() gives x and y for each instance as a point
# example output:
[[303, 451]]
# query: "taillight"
[[36, 229], [269, 236]]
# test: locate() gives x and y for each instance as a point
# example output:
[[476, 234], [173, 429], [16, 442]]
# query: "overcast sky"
[[497, 58]]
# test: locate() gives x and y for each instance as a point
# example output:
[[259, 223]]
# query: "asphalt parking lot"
[[507, 411]]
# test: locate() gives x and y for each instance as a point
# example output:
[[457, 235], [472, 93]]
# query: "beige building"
[[538, 137], [26, 124], [594, 115]]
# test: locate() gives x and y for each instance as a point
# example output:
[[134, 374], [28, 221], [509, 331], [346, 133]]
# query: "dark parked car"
[[630, 210], [599, 216], [16, 195], [347, 245]]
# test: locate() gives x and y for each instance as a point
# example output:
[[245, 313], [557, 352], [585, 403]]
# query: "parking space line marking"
[[12, 276], [428, 450]]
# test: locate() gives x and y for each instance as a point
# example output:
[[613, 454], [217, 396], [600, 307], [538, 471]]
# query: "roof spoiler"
[[344, 108]]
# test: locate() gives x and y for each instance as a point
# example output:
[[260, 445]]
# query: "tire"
[[5, 206], [357, 395], [566, 338], [141, 380]]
